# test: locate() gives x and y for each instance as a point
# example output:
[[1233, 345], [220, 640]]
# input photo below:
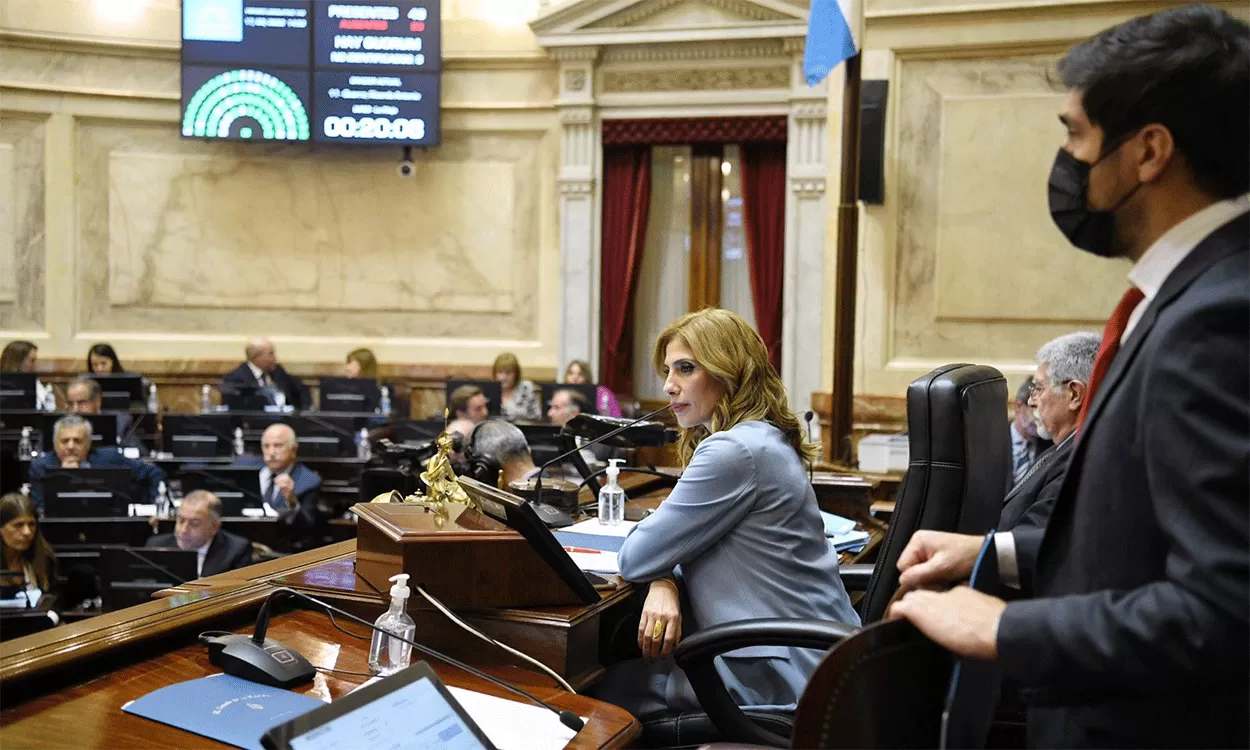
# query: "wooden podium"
[[466, 559]]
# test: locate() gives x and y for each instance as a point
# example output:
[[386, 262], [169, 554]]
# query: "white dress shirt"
[[201, 552], [264, 380], [1148, 274]]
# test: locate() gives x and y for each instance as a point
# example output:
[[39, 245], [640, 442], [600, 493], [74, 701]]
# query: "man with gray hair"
[[501, 446], [199, 528], [1060, 385], [261, 370], [83, 396], [72, 449], [290, 490]]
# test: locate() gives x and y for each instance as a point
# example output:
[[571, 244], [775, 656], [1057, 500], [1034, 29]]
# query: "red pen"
[[584, 550]]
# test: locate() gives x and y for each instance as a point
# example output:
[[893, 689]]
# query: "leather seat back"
[[960, 456]]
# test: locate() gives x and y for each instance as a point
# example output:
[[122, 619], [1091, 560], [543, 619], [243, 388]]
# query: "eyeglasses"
[[1036, 387]]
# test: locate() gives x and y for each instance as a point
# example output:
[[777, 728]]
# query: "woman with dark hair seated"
[[740, 537], [23, 549], [22, 356], [103, 360]]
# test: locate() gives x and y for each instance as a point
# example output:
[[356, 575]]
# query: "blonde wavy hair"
[[732, 352]]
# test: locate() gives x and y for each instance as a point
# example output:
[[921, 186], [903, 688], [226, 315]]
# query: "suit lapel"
[[1215, 247], [211, 562]]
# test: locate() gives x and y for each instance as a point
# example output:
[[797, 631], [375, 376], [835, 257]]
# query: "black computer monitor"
[[237, 488], [490, 388], [103, 430], [588, 391], [130, 575], [519, 515], [546, 442], [244, 396], [120, 390], [17, 390], [349, 394], [326, 435], [197, 435], [88, 493]]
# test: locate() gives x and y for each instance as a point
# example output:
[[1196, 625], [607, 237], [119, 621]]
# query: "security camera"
[[406, 168]]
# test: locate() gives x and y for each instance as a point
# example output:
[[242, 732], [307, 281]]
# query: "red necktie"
[[1111, 336]]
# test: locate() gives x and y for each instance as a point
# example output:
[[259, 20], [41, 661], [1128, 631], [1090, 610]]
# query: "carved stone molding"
[[736, 50], [572, 187], [574, 54], [794, 45], [815, 110], [576, 115], [808, 188], [696, 79], [575, 80], [747, 11]]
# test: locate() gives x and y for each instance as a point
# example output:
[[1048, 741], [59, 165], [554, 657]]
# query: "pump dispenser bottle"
[[387, 654], [612, 497]]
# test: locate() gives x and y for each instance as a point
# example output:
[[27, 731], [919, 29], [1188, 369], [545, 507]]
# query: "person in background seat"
[[83, 397], [102, 360], [71, 437], [519, 398], [23, 549], [262, 369], [289, 489], [199, 528], [22, 356], [577, 373]]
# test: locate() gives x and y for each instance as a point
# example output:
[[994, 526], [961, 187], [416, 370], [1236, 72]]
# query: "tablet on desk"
[[411, 708]]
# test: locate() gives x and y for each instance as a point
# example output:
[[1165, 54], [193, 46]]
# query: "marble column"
[[804, 291], [580, 200]]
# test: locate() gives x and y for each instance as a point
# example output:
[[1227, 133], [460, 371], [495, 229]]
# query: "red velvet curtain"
[[764, 211], [626, 198]]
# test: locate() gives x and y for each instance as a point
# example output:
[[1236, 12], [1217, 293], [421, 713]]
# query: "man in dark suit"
[[199, 528], [71, 436], [291, 491], [262, 370], [1027, 443], [1136, 631], [83, 396], [1059, 387]]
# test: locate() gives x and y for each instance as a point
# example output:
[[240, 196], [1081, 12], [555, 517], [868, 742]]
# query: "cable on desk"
[[342, 629], [448, 613], [344, 671]]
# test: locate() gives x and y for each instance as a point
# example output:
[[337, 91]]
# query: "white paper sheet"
[[595, 562], [593, 526]]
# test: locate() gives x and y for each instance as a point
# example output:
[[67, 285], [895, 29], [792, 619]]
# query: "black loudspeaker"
[[872, 101]]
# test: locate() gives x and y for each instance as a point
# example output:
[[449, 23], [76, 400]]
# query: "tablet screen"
[[413, 716]]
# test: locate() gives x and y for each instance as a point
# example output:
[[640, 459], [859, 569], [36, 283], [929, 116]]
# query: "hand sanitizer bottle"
[[162, 502], [384, 402], [364, 451], [612, 497], [239, 448], [49, 400], [154, 403], [206, 399], [388, 655]]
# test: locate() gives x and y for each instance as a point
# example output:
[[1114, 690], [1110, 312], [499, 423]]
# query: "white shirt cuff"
[[1008, 566]]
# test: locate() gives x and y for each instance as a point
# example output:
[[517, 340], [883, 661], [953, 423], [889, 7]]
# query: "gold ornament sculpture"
[[440, 482]]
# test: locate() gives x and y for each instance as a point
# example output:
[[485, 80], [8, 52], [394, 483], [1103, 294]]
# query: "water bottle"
[[238, 441], [24, 448], [49, 399], [154, 403], [162, 502], [384, 402], [612, 497], [206, 399], [387, 654], [363, 450]]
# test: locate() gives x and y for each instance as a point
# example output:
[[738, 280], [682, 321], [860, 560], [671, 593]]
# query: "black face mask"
[[1090, 230]]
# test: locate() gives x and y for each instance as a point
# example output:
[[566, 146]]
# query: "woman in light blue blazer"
[[740, 536]]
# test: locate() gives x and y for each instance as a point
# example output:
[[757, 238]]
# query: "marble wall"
[[962, 261], [112, 227]]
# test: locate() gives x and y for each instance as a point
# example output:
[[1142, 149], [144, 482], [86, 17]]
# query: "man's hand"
[[286, 486], [70, 463], [935, 559], [663, 609], [960, 620]]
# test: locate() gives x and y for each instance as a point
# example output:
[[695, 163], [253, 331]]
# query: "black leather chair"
[[959, 456]]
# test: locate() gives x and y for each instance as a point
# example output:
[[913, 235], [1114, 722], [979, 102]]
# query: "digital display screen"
[[327, 71], [415, 715]]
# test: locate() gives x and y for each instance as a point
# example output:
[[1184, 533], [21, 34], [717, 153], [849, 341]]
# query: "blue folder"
[[224, 708]]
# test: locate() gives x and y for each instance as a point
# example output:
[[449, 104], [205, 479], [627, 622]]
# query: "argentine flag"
[[829, 38]]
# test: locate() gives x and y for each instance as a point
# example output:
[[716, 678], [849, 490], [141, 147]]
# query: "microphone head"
[[639, 433], [807, 415]]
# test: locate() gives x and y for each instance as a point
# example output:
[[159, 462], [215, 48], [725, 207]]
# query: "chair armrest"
[[856, 577], [696, 656]]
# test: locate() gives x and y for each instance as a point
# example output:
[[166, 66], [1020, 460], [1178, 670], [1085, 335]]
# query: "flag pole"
[[842, 402]]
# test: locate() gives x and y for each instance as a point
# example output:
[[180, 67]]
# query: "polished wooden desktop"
[[65, 687]]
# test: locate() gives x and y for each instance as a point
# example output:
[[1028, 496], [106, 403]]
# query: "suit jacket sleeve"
[[149, 475], [306, 515], [38, 472], [711, 498], [1188, 629]]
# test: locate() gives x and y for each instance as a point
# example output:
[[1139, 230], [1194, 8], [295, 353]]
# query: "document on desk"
[[509, 724], [591, 535], [223, 707]]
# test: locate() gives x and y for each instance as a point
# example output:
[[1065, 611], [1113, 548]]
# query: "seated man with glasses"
[[1059, 388]]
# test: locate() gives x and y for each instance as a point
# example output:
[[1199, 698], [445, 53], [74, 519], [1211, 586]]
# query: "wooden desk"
[[65, 687]]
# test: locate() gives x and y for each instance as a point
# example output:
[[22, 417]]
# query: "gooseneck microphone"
[[811, 465], [267, 661], [538, 490]]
